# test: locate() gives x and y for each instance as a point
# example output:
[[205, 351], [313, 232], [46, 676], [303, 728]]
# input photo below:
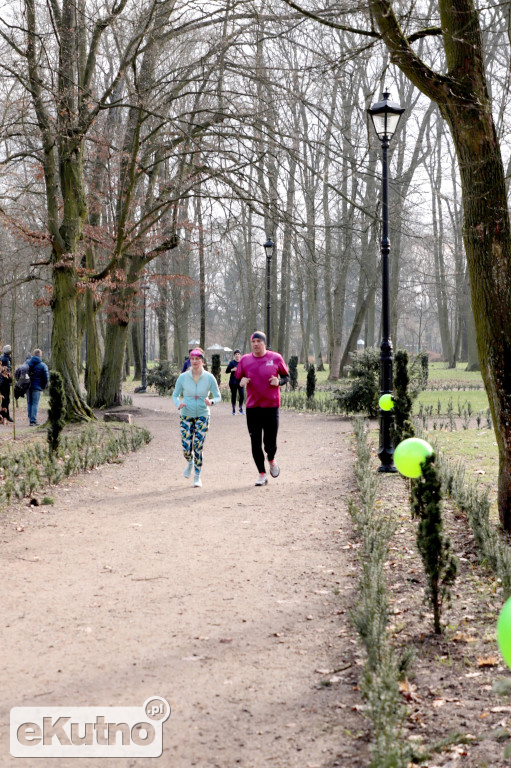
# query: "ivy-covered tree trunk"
[[119, 308], [93, 369], [65, 279], [112, 368]]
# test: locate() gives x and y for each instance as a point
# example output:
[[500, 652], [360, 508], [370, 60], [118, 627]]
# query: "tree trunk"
[[462, 96], [64, 336], [351, 344], [135, 345], [109, 392]]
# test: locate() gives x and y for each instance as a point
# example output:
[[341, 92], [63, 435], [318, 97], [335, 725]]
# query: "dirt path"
[[228, 600]]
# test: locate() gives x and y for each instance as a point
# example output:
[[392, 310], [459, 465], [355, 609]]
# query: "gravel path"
[[230, 601]]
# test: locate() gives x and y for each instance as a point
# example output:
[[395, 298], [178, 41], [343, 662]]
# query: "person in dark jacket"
[[39, 378], [234, 384], [5, 380]]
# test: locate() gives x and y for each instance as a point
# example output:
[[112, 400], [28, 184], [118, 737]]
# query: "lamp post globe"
[[385, 116], [268, 246]]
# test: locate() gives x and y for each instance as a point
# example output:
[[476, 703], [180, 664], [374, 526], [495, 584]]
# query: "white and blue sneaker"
[[197, 482], [189, 468]]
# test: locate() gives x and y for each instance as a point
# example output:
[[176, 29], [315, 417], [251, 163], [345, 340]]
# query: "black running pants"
[[263, 425]]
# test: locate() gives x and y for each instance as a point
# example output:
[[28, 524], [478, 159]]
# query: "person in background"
[[186, 363], [39, 378], [262, 372], [234, 385], [194, 387], [6, 380], [22, 379]]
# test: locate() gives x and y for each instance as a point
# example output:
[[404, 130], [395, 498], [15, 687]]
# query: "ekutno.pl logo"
[[89, 731]]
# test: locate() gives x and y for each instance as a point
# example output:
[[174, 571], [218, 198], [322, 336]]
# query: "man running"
[[259, 372]]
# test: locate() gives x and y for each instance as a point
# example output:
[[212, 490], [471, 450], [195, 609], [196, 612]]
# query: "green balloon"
[[386, 402], [410, 454], [504, 631]]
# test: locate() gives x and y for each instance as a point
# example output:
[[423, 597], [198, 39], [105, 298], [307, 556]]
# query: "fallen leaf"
[[488, 661]]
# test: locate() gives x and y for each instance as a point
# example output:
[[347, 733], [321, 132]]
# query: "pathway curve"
[[230, 600]]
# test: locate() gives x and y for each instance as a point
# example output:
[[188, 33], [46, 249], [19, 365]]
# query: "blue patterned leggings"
[[193, 434]]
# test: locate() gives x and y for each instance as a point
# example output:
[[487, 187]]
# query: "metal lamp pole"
[[385, 116], [268, 247]]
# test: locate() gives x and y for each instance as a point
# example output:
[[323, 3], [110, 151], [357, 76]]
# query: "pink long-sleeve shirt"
[[260, 393]]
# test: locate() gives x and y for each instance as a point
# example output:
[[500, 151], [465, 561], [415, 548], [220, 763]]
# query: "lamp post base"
[[139, 390]]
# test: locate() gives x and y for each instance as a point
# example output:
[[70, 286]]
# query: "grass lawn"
[[476, 449], [441, 400]]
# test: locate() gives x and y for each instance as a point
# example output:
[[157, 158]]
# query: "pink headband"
[[196, 353]]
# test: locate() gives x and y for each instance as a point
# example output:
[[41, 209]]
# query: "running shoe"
[[189, 468], [262, 479], [197, 482], [274, 469]]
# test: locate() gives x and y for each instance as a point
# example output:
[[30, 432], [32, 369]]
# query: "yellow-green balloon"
[[410, 454], [386, 402], [504, 631]]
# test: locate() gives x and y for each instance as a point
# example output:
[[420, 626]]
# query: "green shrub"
[[163, 377], [311, 382], [216, 368], [440, 565], [293, 372], [362, 396], [56, 411], [419, 373], [402, 426]]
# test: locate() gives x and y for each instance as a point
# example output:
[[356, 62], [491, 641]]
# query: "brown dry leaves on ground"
[[453, 715]]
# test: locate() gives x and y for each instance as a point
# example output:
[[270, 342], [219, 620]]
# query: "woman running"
[[194, 387]]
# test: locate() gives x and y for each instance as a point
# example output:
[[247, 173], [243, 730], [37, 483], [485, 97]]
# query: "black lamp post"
[[385, 116], [269, 245]]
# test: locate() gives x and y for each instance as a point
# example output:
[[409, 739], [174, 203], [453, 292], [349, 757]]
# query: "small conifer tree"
[[162, 377], [440, 565], [362, 396], [56, 411], [216, 368], [293, 372], [311, 382], [402, 427]]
